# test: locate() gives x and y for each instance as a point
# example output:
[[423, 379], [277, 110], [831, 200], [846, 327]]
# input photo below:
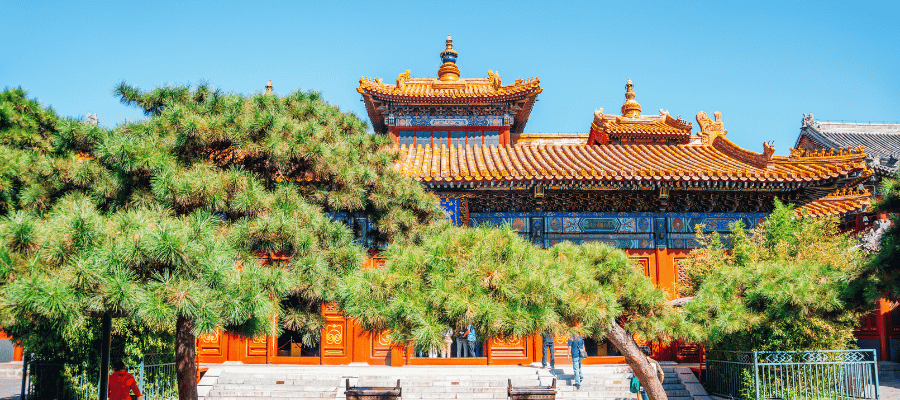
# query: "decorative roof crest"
[[818, 153], [494, 77], [768, 150], [401, 80], [809, 121], [449, 71], [269, 87], [631, 108], [709, 129]]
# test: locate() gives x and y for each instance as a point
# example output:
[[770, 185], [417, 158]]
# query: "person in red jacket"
[[121, 384]]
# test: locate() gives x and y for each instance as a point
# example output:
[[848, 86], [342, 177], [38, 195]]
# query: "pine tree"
[[793, 283], [167, 221], [505, 287], [884, 268]]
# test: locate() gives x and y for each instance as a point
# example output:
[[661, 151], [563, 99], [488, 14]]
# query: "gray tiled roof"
[[882, 141]]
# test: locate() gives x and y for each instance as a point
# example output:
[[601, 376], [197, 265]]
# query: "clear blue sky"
[[762, 64]]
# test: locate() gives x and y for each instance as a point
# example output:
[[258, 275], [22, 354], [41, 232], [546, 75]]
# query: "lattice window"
[[491, 138], [423, 138], [407, 138], [440, 138], [684, 281], [458, 138], [680, 268], [644, 262]]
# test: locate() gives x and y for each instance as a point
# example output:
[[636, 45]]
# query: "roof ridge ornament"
[[449, 71], [401, 79], [809, 121], [631, 108], [709, 129], [269, 87], [494, 77]]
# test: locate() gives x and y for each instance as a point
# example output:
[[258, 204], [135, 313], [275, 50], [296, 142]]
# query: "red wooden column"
[[881, 325]]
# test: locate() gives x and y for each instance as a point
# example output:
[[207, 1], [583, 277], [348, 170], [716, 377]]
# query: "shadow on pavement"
[[562, 377]]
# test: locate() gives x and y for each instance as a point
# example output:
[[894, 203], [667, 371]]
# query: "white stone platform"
[[231, 382]]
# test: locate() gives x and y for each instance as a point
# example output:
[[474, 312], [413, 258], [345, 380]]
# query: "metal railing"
[[825, 374], [47, 379]]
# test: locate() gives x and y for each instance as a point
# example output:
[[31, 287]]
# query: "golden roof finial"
[[631, 108], [449, 71], [269, 87]]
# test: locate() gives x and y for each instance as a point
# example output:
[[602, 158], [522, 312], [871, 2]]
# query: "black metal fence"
[[826, 374], [51, 380]]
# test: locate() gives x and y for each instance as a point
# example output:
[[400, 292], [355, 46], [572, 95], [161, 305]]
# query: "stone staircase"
[[608, 382], [675, 388]]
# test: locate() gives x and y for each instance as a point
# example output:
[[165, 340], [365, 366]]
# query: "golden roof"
[[448, 85], [840, 202], [632, 124], [723, 162], [431, 89]]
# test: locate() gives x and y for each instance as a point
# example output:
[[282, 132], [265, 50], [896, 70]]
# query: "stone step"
[[478, 383]]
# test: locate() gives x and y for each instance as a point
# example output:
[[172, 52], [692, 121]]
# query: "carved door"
[[337, 340], [213, 348], [379, 348], [248, 350]]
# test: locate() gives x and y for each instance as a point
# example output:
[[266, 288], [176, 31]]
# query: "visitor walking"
[[576, 346], [471, 338], [122, 383], [549, 347], [637, 386]]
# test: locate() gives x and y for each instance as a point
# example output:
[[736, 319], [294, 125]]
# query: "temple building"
[[636, 181]]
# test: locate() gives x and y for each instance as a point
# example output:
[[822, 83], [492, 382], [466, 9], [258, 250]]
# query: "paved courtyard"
[[10, 388], [889, 381], [889, 377]]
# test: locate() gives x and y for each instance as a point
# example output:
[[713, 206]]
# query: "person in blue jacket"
[[471, 338], [576, 345]]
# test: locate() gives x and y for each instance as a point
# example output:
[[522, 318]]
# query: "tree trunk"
[[185, 355], [637, 361]]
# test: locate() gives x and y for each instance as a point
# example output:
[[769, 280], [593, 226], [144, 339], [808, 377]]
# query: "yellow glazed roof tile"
[[840, 202], [619, 162]]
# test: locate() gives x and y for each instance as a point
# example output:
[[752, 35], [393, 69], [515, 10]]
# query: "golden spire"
[[631, 108], [449, 71], [269, 87]]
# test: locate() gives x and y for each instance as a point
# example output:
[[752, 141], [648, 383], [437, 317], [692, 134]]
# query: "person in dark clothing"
[[461, 344], [549, 347]]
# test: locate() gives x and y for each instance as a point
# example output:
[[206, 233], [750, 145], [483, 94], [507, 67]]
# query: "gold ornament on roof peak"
[[631, 108], [449, 71], [269, 87]]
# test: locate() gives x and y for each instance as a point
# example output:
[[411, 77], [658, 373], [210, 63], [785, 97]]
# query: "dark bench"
[[531, 392], [373, 393]]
